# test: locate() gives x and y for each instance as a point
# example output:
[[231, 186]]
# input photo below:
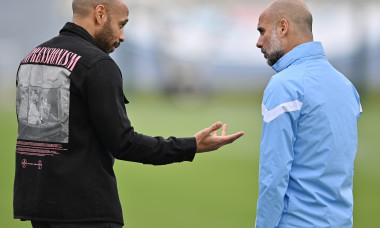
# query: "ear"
[[284, 27], [100, 14]]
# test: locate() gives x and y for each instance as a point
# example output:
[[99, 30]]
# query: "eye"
[[122, 25]]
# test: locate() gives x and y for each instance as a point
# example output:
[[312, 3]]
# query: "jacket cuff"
[[189, 149]]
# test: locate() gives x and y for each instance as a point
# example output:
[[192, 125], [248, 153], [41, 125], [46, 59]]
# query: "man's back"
[[324, 148], [62, 172], [309, 142]]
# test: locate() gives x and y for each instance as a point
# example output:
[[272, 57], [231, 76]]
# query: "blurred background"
[[187, 64]]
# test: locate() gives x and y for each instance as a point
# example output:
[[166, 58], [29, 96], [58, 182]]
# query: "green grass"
[[220, 188]]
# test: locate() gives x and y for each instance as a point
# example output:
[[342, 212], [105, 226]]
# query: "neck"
[[85, 23], [294, 43]]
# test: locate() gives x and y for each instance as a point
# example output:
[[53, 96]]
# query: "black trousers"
[[36, 224]]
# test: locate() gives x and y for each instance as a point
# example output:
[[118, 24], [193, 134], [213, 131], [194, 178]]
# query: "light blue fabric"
[[308, 143]]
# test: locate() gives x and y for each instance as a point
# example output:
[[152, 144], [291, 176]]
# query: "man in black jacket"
[[73, 124]]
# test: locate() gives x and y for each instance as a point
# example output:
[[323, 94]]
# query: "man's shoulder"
[[284, 86], [288, 78], [88, 52]]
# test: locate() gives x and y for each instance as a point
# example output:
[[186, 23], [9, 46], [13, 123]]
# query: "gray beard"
[[275, 51], [275, 56]]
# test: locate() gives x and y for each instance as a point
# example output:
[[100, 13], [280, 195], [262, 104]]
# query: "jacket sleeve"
[[106, 106], [280, 112]]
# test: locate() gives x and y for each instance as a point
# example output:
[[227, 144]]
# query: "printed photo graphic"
[[43, 100]]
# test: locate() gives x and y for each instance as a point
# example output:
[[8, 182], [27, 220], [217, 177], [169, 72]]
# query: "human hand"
[[208, 140]]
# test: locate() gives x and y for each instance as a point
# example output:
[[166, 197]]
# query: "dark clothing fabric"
[[75, 225], [72, 125]]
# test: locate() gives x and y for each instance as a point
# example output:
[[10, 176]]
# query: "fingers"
[[207, 131], [224, 131], [213, 128]]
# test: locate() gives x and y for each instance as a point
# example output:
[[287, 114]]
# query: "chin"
[[109, 51], [270, 63]]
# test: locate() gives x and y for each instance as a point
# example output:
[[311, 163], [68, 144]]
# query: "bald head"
[[83, 8], [295, 11]]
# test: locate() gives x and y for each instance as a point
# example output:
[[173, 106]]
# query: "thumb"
[[207, 131], [213, 127]]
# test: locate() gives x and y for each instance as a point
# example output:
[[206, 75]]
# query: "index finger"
[[224, 131]]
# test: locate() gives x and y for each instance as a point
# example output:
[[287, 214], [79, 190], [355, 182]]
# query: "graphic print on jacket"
[[43, 101]]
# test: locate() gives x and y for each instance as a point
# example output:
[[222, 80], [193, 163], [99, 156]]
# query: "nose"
[[259, 43], [122, 36]]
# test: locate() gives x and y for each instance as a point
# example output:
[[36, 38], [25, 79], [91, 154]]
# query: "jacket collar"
[[77, 30], [301, 51]]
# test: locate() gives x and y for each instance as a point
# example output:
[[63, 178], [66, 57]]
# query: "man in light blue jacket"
[[309, 136]]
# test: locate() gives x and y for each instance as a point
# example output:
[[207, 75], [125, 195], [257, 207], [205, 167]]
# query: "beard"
[[274, 51], [103, 38]]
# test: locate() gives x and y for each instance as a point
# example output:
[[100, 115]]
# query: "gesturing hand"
[[208, 140]]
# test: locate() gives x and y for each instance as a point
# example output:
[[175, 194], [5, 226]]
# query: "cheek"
[[112, 33], [266, 40]]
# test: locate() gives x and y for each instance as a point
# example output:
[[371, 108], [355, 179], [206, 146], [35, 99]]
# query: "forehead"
[[121, 10], [264, 20]]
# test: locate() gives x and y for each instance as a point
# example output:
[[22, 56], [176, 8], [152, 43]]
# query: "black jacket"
[[72, 125]]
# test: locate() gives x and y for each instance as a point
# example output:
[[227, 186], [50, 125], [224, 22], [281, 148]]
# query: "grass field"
[[219, 189]]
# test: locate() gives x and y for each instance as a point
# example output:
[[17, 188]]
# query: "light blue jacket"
[[308, 143]]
